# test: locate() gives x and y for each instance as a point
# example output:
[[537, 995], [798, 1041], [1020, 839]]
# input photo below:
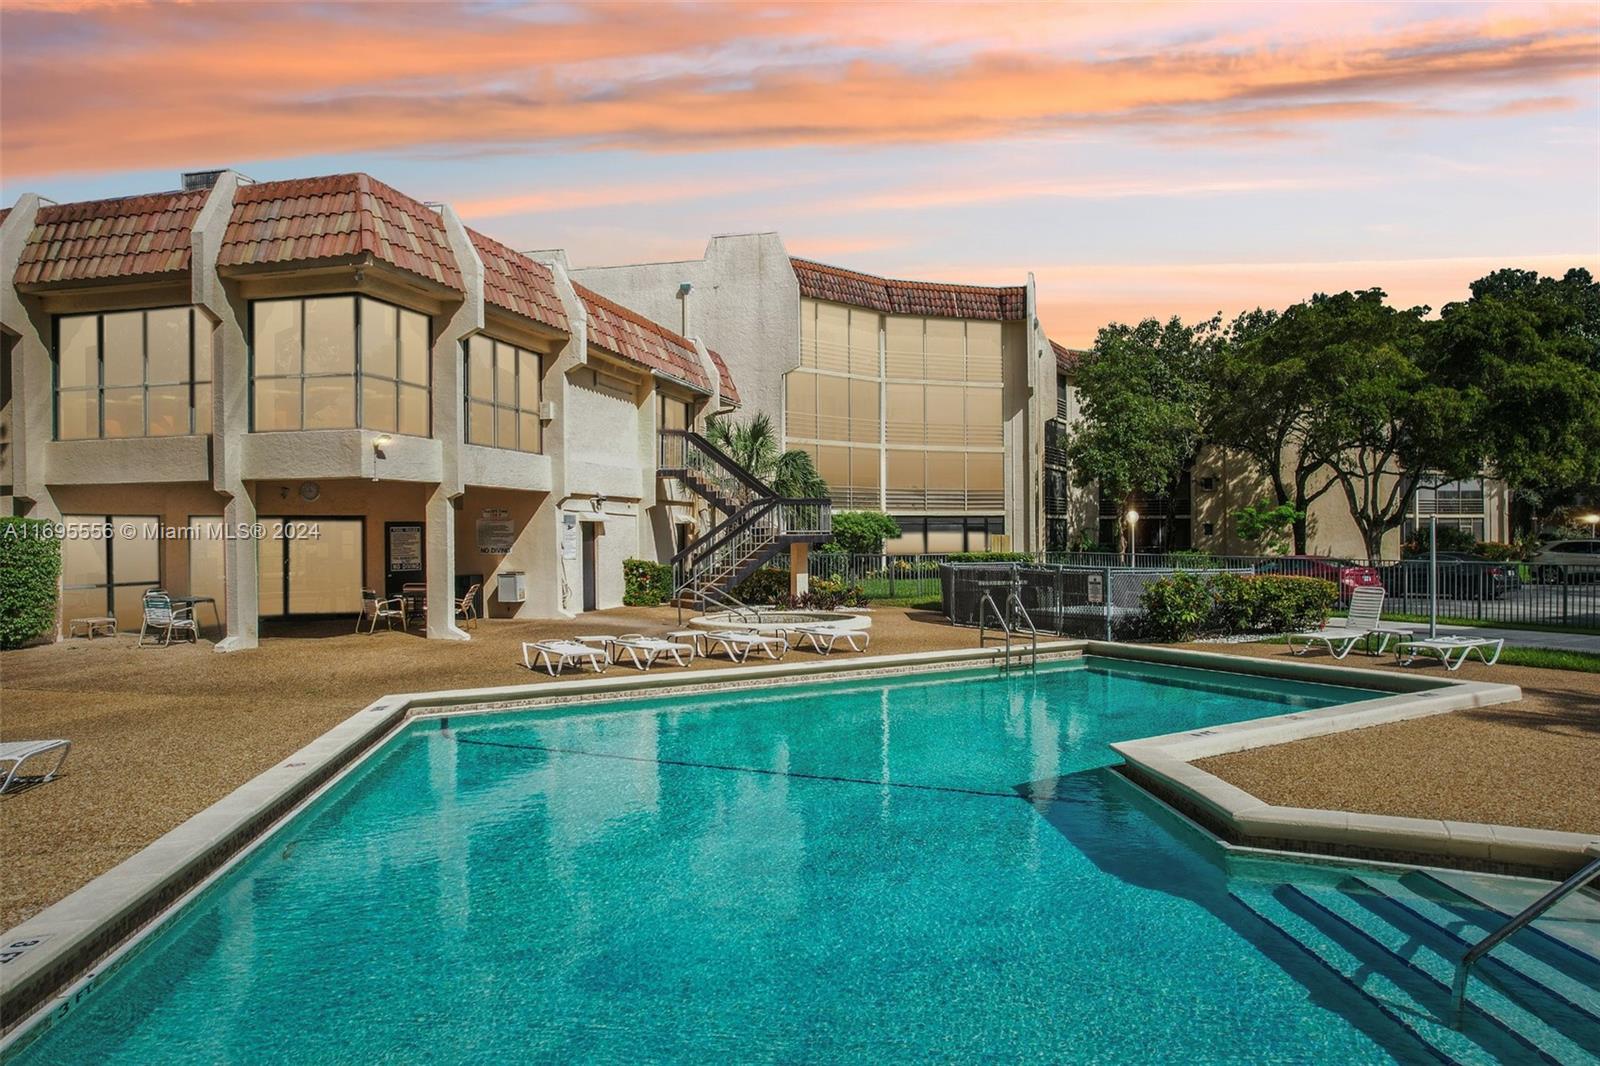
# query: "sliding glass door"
[[311, 566]]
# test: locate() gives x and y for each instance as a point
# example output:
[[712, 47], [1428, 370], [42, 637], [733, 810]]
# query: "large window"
[[133, 374], [339, 362], [107, 563], [503, 395]]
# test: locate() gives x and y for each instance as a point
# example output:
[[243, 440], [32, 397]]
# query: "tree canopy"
[[754, 445]]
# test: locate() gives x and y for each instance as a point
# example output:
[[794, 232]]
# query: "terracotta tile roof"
[[345, 216], [129, 237], [629, 334], [822, 282], [1067, 359], [518, 284], [730, 392]]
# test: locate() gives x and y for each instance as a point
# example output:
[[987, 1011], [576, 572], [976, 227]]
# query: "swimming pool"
[[923, 867]]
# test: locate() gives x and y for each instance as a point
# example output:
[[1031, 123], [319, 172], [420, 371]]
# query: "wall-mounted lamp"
[[379, 443]]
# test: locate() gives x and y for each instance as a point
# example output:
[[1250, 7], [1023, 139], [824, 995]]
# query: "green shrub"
[[861, 532], [30, 566], [1188, 605], [989, 557], [646, 584], [767, 585], [1496, 551], [828, 594]]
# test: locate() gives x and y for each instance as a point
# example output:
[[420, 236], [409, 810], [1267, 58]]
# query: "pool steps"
[[1394, 943]]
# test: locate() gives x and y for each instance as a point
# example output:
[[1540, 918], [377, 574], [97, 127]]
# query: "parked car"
[[1347, 576], [1462, 576], [1550, 563]]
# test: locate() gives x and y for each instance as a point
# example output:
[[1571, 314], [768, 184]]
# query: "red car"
[[1347, 576]]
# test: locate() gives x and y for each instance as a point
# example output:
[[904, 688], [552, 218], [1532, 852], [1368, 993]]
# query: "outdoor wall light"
[[379, 443]]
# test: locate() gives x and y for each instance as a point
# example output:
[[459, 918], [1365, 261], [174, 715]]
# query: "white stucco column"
[[799, 568]]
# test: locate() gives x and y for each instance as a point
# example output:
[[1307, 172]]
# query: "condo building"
[[925, 400], [277, 395]]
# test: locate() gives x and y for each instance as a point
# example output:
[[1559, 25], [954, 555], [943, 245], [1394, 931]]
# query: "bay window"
[[339, 362], [132, 374]]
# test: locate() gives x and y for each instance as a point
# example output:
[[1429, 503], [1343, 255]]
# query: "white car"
[[1548, 562]]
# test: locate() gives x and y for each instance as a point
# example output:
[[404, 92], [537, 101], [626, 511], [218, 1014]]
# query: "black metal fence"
[[1516, 593]]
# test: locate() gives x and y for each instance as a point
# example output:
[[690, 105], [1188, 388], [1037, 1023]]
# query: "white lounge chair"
[[1406, 650], [555, 655], [652, 648], [738, 644], [823, 638], [161, 620], [13, 753], [1361, 621]]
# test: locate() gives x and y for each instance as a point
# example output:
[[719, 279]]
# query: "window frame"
[[144, 386], [515, 408], [109, 551], [357, 374]]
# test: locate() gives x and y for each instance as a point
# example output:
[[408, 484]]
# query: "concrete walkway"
[[1522, 638]]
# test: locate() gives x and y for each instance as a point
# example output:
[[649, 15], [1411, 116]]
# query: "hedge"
[[646, 584], [771, 586], [30, 566], [989, 557], [1189, 605], [767, 585]]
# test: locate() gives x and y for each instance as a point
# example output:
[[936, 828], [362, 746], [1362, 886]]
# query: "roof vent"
[[201, 179]]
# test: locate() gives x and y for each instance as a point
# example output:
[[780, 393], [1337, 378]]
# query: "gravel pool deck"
[[1534, 763], [159, 734]]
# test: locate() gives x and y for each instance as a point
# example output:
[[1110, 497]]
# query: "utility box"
[[511, 586]]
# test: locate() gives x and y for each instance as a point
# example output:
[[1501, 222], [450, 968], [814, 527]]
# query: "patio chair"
[[555, 655], [652, 647], [467, 607], [1361, 621], [739, 643], [374, 610], [13, 753], [823, 638], [161, 620]]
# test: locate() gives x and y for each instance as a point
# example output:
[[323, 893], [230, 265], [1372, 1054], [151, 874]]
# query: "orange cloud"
[[169, 86]]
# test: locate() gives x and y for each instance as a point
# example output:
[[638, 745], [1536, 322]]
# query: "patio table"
[[192, 602]]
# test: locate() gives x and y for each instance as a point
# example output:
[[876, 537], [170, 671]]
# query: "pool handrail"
[[1458, 988]]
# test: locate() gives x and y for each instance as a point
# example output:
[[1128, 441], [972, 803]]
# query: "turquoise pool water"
[[927, 868]]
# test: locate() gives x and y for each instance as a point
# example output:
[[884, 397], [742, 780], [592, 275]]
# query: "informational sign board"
[[1097, 589], [496, 533], [405, 548], [569, 536]]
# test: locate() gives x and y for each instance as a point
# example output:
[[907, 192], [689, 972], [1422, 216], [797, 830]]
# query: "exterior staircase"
[[754, 524], [1392, 944]]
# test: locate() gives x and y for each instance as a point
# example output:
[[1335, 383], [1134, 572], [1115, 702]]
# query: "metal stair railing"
[[1010, 620], [1458, 988]]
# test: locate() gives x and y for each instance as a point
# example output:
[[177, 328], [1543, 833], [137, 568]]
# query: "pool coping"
[[51, 959], [1165, 766]]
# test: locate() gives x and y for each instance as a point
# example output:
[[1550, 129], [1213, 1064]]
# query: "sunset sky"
[[1148, 159]]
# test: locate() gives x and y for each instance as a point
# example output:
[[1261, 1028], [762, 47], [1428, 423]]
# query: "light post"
[[1433, 576], [1133, 540], [1593, 520]]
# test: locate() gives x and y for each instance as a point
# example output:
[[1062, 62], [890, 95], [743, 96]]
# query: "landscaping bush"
[[1495, 551], [30, 565], [646, 584], [861, 532], [767, 585], [1188, 605], [828, 594], [1451, 539]]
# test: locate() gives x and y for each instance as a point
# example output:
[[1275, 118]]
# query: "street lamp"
[[1133, 542], [1592, 519]]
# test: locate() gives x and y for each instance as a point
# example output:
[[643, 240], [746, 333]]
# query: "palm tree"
[[754, 445]]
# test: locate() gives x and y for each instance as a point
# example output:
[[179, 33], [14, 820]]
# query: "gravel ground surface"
[[1535, 763], [159, 734]]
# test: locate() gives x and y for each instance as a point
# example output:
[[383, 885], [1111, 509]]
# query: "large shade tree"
[[1142, 390]]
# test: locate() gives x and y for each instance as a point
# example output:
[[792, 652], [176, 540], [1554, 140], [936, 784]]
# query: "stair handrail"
[[718, 535], [1458, 989], [691, 442], [1014, 598]]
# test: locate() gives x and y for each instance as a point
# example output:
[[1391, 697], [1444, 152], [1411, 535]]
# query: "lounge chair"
[[652, 648], [13, 753], [738, 644], [467, 607], [555, 655], [161, 620], [1443, 647], [823, 638], [373, 609], [1361, 622]]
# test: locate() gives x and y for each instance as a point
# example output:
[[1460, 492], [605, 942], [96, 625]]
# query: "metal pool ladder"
[[1458, 991], [1014, 618]]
